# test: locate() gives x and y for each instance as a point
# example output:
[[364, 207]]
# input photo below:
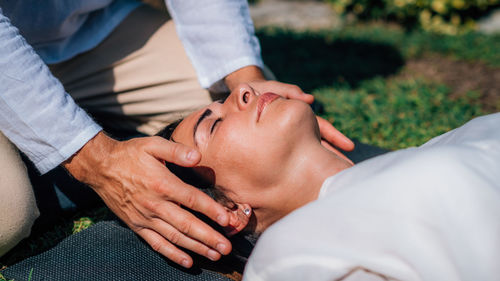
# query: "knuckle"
[[174, 237], [153, 140], [157, 246], [178, 151], [151, 205], [190, 200], [156, 139], [135, 222], [157, 186], [185, 227], [296, 88], [135, 227]]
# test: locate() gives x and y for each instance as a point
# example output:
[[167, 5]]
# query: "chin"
[[294, 117]]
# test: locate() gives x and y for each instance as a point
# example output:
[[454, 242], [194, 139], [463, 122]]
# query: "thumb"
[[172, 152], [299, 95]]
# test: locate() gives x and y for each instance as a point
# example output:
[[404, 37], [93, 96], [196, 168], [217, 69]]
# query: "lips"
[[263, 101]]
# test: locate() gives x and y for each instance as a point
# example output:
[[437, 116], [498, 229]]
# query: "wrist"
[[244, 75], [89, 157]]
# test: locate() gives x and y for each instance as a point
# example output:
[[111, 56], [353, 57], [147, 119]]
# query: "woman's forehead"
[[184, 131]]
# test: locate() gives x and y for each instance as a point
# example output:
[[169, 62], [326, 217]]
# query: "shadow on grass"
[[315, 60]]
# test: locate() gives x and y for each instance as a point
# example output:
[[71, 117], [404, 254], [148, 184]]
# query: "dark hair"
[[191, 177]]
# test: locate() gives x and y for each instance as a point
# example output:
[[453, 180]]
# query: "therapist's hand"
[[131, 178], [252, 75]]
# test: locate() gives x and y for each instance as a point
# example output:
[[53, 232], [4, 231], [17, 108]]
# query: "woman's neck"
[[308, 169]]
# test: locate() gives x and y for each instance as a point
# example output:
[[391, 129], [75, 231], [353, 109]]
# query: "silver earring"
[[246, 211]]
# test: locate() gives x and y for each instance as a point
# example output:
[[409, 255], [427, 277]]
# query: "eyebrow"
[[204, 115]]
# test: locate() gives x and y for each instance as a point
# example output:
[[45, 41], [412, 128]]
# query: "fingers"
[[190, 226], [165, 248], [180, 227], [178, 191], [177, 225], [334, 136], [172, 152], [285, 90], [297, 94], [194, 199], [185, 240]]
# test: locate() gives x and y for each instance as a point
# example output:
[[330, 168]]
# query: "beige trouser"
[[138, 79], [18, 208]]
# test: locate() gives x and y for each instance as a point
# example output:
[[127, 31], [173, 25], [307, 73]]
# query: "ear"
[[238, 218]]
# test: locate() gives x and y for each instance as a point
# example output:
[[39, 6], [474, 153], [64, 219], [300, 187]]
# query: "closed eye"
[[214, 124]]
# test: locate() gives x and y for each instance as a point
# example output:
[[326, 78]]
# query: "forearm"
[[36, 114], [217, 35]]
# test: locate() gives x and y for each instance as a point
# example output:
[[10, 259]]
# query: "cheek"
[[246, 156]]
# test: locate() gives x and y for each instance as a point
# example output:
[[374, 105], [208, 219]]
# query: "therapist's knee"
[[18, 210]]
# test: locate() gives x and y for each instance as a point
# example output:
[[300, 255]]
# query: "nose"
[[244, 96]]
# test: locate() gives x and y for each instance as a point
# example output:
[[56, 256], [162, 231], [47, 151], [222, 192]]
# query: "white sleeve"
[[218, 36], [36, 114], [473, 133]]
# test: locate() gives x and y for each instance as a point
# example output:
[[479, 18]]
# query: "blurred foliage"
[[319, 59], [396, 113], [472, 46], [358, 53], [442, 16], [351, 74], [82, 224]]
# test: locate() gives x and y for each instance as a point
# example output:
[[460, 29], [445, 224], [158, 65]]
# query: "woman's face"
[[247, 140]]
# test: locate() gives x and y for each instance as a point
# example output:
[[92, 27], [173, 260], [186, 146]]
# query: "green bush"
[[443, 16], [396, 113]]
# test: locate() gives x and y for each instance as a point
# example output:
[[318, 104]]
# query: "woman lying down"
[[426, 213]]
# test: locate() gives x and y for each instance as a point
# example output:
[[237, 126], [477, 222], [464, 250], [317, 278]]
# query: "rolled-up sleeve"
[[218, 36], [36, 113]]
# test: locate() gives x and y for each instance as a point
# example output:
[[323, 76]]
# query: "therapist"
[[133, 70]]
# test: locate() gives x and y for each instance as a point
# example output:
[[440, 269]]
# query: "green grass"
[[2, 278], [30, 275], [350, 72], [396, 113]]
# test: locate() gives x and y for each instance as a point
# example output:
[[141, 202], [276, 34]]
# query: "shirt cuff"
[[217, 77], [56, 158]]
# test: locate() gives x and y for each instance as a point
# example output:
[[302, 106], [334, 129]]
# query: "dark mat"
[[105, 251], [364, 151]]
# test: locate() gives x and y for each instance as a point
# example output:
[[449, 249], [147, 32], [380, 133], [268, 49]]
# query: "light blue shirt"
[[36, 113]]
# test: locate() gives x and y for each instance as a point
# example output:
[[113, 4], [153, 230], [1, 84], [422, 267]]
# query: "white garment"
[[426, 213], [36, 113]]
